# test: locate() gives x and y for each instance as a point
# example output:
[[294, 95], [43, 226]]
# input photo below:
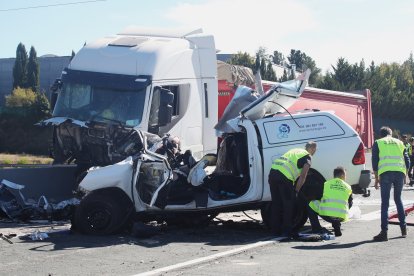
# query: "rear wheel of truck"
[[99, 214]]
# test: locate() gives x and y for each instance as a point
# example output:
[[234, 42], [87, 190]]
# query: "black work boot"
[[382, 236], [404, 231], [337, 231]]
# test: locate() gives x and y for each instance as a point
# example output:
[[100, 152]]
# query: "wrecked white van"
[[147, 186]]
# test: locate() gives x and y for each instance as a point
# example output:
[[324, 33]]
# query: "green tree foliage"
[[285, 76], [257, 64], [18, 133], [243, 59], [270, 73], [20, 97], [263, 68], [278, 58], [20, 67], [33, 71], [303, 62], [391, 85], [26, 101]]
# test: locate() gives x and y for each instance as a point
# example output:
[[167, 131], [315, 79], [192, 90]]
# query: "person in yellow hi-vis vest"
[[291, 166], [334, 204], [390, 163]]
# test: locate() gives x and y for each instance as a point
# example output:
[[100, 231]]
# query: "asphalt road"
[[233, 245]]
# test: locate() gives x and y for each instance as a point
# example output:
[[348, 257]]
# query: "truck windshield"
[[87, 96], [86, 103]]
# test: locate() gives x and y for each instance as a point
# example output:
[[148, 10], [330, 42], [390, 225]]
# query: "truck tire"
[[99, 214]]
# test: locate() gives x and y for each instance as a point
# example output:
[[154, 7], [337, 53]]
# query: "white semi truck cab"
[[155, 81]]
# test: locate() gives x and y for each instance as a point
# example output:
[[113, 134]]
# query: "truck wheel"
[[99, 214]]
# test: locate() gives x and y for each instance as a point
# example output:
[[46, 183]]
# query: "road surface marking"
[[211, 257], [377, 214]]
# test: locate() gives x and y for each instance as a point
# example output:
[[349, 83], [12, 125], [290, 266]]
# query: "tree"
[[278, 58], [33, 71], [256, 64], [263, 68], [20, 67], [21, 97], [270, 73], [25, 99], [243, 59], [285, 76], [303, 62]]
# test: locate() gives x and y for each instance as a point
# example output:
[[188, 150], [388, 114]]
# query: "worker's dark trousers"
[[410, 170], [314, 221], [283, 203]]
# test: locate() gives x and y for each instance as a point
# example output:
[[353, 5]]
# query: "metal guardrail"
[[25, 165]]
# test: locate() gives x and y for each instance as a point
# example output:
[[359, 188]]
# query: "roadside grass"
[[23, 159]]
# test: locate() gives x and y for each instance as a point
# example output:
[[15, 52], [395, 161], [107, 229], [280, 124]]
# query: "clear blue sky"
[[381, 30]]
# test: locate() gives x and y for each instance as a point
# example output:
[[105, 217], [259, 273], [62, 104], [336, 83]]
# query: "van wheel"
[[99, 214]]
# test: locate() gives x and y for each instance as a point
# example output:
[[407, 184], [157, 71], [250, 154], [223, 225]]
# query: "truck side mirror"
[[166, 110], [55, 88], [161, 109]]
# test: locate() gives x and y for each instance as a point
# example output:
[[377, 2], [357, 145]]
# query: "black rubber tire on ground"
[[99, 214]]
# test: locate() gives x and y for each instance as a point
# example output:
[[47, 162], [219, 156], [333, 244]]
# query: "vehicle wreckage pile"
[[15, 206]]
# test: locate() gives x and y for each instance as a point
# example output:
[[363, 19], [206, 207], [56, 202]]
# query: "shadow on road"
[[218, 233], [332, 245]]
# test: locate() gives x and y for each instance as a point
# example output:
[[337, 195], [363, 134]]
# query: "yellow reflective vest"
[[391, 155], [334, 201], [287, 164]]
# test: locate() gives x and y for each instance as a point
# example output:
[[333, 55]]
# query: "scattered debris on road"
[[13, 205]]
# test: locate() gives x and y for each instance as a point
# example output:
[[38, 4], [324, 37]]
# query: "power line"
[[52, 5]]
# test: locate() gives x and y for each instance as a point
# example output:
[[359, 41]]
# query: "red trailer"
[[354, 108]]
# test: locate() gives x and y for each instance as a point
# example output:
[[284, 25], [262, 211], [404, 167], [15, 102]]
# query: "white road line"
[[211, 257]]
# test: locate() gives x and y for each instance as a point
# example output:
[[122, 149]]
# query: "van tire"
[[99, 214]]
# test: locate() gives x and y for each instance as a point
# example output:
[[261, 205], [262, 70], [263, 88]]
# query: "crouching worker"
[[333, 206]]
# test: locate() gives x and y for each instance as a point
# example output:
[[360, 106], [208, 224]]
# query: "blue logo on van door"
[[284, 130]]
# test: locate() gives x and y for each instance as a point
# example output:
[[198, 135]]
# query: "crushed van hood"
[[249, 104], [56, 121], [279, 98]]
